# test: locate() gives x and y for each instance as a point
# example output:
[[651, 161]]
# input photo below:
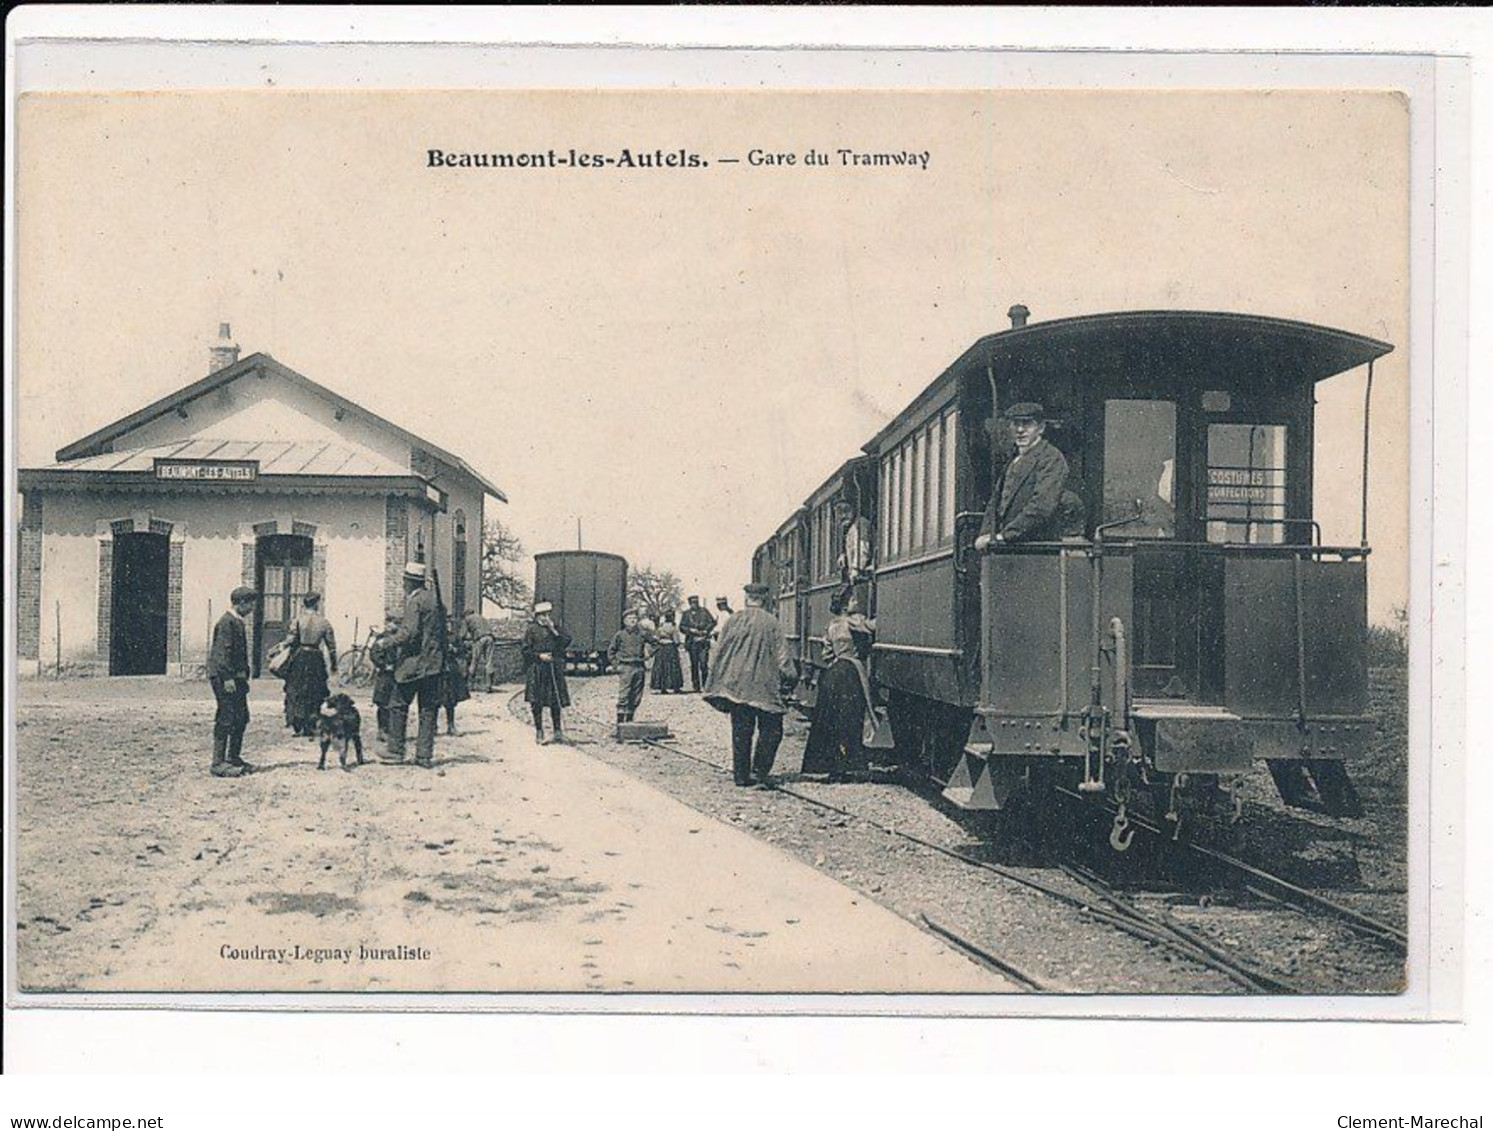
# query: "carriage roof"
[[1206, 347], [834, 485], [579, 554]]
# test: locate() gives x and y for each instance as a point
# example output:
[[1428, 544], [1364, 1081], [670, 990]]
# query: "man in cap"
[[749, 672], [696, 625], [543, 650], [1025, 505], [628, 653], [228, 672], [419, 642]]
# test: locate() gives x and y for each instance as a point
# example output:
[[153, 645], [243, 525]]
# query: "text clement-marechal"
[[566, 159]]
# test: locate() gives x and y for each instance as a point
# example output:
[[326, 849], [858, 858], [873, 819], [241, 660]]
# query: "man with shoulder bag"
[[419, 642]]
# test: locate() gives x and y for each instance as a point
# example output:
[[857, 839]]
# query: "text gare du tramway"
[[1193, 622]]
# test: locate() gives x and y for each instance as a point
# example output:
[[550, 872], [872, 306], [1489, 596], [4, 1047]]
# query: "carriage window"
[[1247, 483], [915, 494], [930, 485], [950, 451], [902, 502], [1140, 461], [884, 505], [828, 551]]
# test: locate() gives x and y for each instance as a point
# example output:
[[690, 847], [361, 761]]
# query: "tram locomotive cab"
[[1195, 626]]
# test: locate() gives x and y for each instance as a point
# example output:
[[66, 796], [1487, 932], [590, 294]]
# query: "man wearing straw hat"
[[544, 669], [419, 642]]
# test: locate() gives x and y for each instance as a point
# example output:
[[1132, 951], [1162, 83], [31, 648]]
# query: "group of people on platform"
[[421, 659], [753, 673], [629, 652], [741, 661]]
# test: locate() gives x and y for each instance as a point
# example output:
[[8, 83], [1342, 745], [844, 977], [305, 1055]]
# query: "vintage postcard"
[[904, 549]]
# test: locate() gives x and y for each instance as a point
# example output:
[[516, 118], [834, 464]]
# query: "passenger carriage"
[[1198, 625]]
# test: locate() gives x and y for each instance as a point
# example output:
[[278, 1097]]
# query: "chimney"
[[1018, 314], [223, 352]]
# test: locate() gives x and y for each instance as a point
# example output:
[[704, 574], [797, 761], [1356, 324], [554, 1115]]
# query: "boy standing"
[[628, 653]]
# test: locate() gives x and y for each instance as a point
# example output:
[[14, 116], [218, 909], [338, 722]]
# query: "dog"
[[339, 721]]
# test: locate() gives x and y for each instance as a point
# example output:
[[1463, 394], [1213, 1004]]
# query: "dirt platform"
[[509, 867]]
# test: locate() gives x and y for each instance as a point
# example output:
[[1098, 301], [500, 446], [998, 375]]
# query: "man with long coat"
[[749, 671], [228, 672], [420, 643], [1025, 506], [697, 626], [543, 651]]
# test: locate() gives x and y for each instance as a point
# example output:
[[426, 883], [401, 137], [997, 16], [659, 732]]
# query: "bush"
[[1389, 644]]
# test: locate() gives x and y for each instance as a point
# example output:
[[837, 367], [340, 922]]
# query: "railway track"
[[1090, 896], [1086, 894], [1275, 889]]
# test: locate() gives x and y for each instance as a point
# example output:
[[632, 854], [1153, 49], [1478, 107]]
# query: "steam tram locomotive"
[[1199, 624]]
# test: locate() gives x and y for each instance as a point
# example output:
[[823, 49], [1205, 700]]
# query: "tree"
[[502, 584], [655, 591]]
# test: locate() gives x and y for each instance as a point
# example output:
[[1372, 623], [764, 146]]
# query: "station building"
[[255, 475]]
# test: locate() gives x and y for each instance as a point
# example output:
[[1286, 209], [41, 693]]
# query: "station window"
[[1140, 462], [1247, 483]]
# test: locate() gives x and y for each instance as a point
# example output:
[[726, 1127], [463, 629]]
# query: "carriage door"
[[137, 639], [1140, 466], [284, 577]]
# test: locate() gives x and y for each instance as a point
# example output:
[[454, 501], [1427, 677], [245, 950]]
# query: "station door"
[[283, 578], [139, 600]]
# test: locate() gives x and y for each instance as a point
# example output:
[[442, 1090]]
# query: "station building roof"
[[94, 452]]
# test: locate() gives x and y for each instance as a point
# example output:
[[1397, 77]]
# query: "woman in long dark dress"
[[543, 650], [843, 703], [455, 687], [315, 653], [668, 672]]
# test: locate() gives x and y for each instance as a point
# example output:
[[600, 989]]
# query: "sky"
[[677, 356]]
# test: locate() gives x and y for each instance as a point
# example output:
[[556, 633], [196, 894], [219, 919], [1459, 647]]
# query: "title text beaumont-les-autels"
[[674, 159]]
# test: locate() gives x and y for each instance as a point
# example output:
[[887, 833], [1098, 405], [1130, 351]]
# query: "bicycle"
[[355, 666]]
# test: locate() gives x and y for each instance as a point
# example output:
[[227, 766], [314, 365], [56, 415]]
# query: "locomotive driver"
[[1026, 505]]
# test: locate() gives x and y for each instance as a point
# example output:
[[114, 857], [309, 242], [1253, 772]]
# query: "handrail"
[[1315, 525]]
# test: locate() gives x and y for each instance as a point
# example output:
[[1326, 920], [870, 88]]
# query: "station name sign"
[[208, 470]]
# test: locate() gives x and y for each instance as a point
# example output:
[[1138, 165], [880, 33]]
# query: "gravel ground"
[[507, 868], [1357, 862], [118, 828]]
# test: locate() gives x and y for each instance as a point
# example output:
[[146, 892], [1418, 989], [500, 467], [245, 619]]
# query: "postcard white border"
[[1438, 460]]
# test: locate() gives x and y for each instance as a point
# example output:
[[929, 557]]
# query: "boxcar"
[[588, 590], [1198, 624]]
